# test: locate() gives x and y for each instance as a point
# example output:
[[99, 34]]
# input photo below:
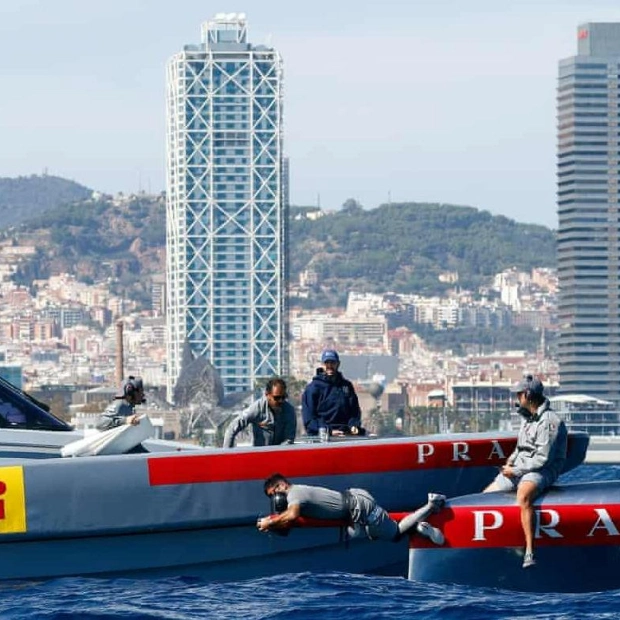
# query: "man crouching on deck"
[[537, 459], [354, 506]]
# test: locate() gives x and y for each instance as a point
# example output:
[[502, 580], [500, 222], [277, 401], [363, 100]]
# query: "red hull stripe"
[[362, 458], [471, 527]]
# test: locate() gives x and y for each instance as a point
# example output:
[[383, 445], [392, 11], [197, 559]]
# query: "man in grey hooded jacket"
[[538, 458], [272, 417]]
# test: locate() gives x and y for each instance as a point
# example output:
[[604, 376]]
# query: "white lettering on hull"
[[550, 523], [547, 528], [604, 522], [481, 525], [460, 450], [496, 450]]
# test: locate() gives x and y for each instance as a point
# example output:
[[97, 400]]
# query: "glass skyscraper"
[[589, 218], [226, 218]]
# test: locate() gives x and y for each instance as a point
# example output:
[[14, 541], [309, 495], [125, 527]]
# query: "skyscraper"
[[589, 218], [226, 219]]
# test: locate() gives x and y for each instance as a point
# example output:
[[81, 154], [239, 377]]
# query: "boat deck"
[[603, 450]]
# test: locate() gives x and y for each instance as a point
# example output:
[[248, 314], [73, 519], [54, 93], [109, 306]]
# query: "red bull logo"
[[12, 500]]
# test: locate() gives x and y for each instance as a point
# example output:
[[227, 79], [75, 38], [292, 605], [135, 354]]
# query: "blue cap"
[[329, 355], [530, 384]]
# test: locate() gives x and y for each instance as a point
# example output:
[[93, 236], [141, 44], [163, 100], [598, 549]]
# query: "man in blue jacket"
[[330, 402]]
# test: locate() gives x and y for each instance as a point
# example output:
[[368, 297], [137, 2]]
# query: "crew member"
[[123, 409], [538, 457], [272, 417], [354, 506], [329, 401]]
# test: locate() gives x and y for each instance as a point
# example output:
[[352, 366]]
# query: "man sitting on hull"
[[538, 458], [354, 506]]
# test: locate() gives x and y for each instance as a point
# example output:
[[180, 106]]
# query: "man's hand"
[[337, 433], [263, 524], [508, 471], [133, 419], [354, 430]]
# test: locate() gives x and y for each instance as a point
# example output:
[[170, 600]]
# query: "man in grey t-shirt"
[[355, 507]]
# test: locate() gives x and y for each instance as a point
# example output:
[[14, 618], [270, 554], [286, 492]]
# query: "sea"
[[300, 595]]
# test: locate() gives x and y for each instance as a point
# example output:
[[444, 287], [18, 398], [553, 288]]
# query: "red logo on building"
[[582, 34]]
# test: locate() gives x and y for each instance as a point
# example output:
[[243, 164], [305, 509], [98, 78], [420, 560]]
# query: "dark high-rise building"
[[589, 218]]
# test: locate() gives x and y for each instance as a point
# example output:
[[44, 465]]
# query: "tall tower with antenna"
[[225, 212]]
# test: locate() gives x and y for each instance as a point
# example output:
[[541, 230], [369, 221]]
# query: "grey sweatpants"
[[372, 517]]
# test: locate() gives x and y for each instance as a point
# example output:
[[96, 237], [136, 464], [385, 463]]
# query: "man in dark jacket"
[[330, 402]]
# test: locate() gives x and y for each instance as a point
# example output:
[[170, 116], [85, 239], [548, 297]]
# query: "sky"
[[441, 101]]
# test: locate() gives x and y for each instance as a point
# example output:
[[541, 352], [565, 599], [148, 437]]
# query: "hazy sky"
[[418, 100]]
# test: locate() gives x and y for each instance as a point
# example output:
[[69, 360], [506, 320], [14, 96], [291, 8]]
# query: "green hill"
[[405, 247], [22, 198], [402, 248], [121, 241]]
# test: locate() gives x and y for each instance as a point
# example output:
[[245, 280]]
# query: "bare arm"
[[280, 521]]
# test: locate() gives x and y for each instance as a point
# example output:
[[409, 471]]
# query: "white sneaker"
[[432, 533], [437, 501], [529, 560]]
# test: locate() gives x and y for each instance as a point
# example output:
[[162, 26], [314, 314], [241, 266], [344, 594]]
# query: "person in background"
[[354, 506], [538, 458], [329, 401], [123, 409], [272, 417]]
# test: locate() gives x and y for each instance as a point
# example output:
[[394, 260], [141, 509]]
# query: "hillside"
[[119, 241], [405, 247], [398, 247], [23, 198]]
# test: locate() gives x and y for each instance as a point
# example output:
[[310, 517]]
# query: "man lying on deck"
[[354, 506]]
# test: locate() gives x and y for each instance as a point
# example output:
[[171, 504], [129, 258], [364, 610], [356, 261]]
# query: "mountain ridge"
[[399, 247]]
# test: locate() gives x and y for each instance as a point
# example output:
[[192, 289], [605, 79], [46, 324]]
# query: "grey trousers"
[[365, 512]]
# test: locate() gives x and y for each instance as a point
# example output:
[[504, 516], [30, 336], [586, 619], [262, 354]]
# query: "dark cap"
[[130, 386], [329, 355], [530, 384]]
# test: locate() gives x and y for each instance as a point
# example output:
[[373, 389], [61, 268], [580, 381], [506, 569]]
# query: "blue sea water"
[[300, 596]]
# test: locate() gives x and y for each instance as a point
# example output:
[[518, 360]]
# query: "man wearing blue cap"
[[538, 458], [329, 401]]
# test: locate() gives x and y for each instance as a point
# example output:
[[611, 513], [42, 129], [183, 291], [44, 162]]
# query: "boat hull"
[[194, 514], [577, 538]]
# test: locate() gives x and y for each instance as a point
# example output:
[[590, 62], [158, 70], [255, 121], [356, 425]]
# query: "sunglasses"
[[279, 399]]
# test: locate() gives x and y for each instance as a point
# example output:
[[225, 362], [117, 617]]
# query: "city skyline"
[[456, 110]]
